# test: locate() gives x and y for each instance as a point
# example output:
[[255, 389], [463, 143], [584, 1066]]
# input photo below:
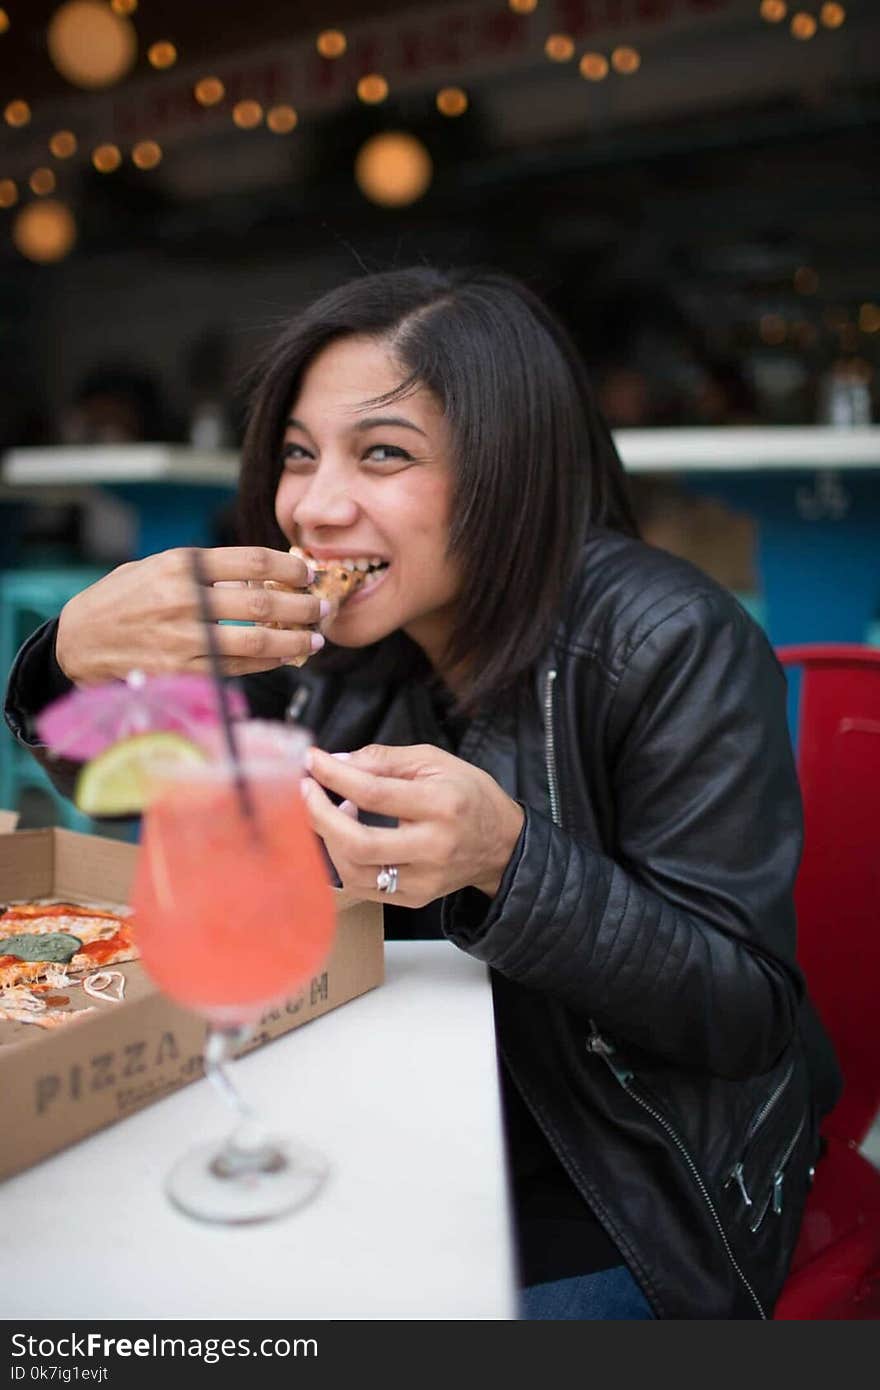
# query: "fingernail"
[[305, 786], [326, 606], [309, 759], [341, 756], [311, 571], [316, 641]]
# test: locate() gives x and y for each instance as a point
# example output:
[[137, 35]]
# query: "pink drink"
[[230, 914]]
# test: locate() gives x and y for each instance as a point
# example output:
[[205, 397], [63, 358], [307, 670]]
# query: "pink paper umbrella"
[[85, 722]]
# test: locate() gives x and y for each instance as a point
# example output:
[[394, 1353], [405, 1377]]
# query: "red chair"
[[835, 1273]]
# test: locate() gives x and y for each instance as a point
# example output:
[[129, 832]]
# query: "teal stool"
[[29, 598]]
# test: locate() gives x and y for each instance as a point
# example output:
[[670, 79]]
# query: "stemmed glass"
[[233, 912]]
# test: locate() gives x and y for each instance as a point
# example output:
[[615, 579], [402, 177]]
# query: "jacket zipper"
[[550, 748], [737, 1172], [774, 1196], [625, 1076]]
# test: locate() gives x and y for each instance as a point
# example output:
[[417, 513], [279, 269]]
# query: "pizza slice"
[[39, 941], [332, 581]]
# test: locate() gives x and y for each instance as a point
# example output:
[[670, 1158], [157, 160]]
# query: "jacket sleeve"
[[681, 941], [36, 680]]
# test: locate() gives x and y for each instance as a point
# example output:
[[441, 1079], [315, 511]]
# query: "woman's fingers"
[[389, 796], [259, 605], [250, 562], [366, 847], [269, 647]]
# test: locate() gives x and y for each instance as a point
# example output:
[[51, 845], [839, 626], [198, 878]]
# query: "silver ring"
[[386, 879]]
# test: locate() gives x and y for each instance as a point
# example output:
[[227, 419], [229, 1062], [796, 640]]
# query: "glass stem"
[[248, 1148]]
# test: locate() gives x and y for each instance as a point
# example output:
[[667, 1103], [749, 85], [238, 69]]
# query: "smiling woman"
[[562, 749], [474, 486]]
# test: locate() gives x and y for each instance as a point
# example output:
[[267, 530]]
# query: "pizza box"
[[60, 1085]]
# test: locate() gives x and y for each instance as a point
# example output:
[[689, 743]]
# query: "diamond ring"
[[386, 879]]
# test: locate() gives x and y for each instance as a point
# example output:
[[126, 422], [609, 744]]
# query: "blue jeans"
[[611, 1294]]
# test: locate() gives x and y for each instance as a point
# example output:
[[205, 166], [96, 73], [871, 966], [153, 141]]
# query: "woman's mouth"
[[375, 577]]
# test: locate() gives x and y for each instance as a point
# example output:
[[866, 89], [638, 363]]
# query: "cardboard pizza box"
[[60, 1085]]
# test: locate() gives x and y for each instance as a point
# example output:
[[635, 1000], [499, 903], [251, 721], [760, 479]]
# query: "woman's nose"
[[326, 501]]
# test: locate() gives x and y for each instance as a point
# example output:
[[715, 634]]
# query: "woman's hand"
[[146, 615], [456, 825]]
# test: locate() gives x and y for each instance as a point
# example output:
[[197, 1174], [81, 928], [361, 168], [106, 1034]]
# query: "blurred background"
[[691, 184]]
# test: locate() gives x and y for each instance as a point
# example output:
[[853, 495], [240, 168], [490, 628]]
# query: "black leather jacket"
[[642, 943]]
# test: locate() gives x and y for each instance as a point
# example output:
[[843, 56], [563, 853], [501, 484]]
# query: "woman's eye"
[[387, 453], [294, 453]]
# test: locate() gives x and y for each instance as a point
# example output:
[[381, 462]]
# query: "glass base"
[[232, 1187]]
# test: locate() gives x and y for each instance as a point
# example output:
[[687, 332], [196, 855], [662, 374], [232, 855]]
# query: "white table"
[[398, 1088]]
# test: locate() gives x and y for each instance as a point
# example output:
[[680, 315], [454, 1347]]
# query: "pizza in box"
[[47, 948]]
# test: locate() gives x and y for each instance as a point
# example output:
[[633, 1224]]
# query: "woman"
[[563, 749]]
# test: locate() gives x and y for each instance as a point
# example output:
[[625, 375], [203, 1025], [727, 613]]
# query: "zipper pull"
[[738, 1177], [607, 1051], [778, 1179]]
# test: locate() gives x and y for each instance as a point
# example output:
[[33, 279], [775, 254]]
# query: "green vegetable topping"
[[56, 946]]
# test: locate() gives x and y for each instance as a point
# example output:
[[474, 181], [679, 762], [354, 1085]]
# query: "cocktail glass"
[[233, 913]]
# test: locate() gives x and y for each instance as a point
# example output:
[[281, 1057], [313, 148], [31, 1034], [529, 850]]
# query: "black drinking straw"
[[241, 786]]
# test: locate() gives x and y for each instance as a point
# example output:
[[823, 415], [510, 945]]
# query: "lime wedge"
[[117, 781]]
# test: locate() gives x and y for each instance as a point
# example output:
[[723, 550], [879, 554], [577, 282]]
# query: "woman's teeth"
[[364, 564]]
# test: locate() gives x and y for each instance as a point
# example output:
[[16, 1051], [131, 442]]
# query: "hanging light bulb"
[[452, 101], [17, 113], [107, 158], [162, 54], [8, 193], [247, 114], [393, 169], [44, 232], [42, 182], [63, 144], [559, 48], [593, 66], [146, 154], [281, 120], [372, 89], [209, 91], [331, 43], [91, 45]]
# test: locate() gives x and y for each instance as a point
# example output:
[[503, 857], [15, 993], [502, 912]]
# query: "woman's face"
[[365, 482]]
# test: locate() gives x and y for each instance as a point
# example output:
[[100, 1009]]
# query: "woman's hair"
[[535, 464]]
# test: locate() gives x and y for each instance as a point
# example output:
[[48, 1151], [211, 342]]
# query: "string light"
[[626, 60], [281, 120], [91, 45], [869, 318], [17, 113], [452, 101], [772, 329], [774, 11], [523, 6], [4, 21], [106, 158], [247, 114], [805, 280], [559, 48], [372, 89], [124, 7], [8, 193], [593, 66], [42, 182], [331, 43], [162, 54], [209, 91], [146, 154], [393, 169], [803, 25], [63, 144], [832, 15], [44, 232]]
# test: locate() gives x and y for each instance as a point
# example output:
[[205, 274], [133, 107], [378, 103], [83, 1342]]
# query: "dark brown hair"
[[535, 462]]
